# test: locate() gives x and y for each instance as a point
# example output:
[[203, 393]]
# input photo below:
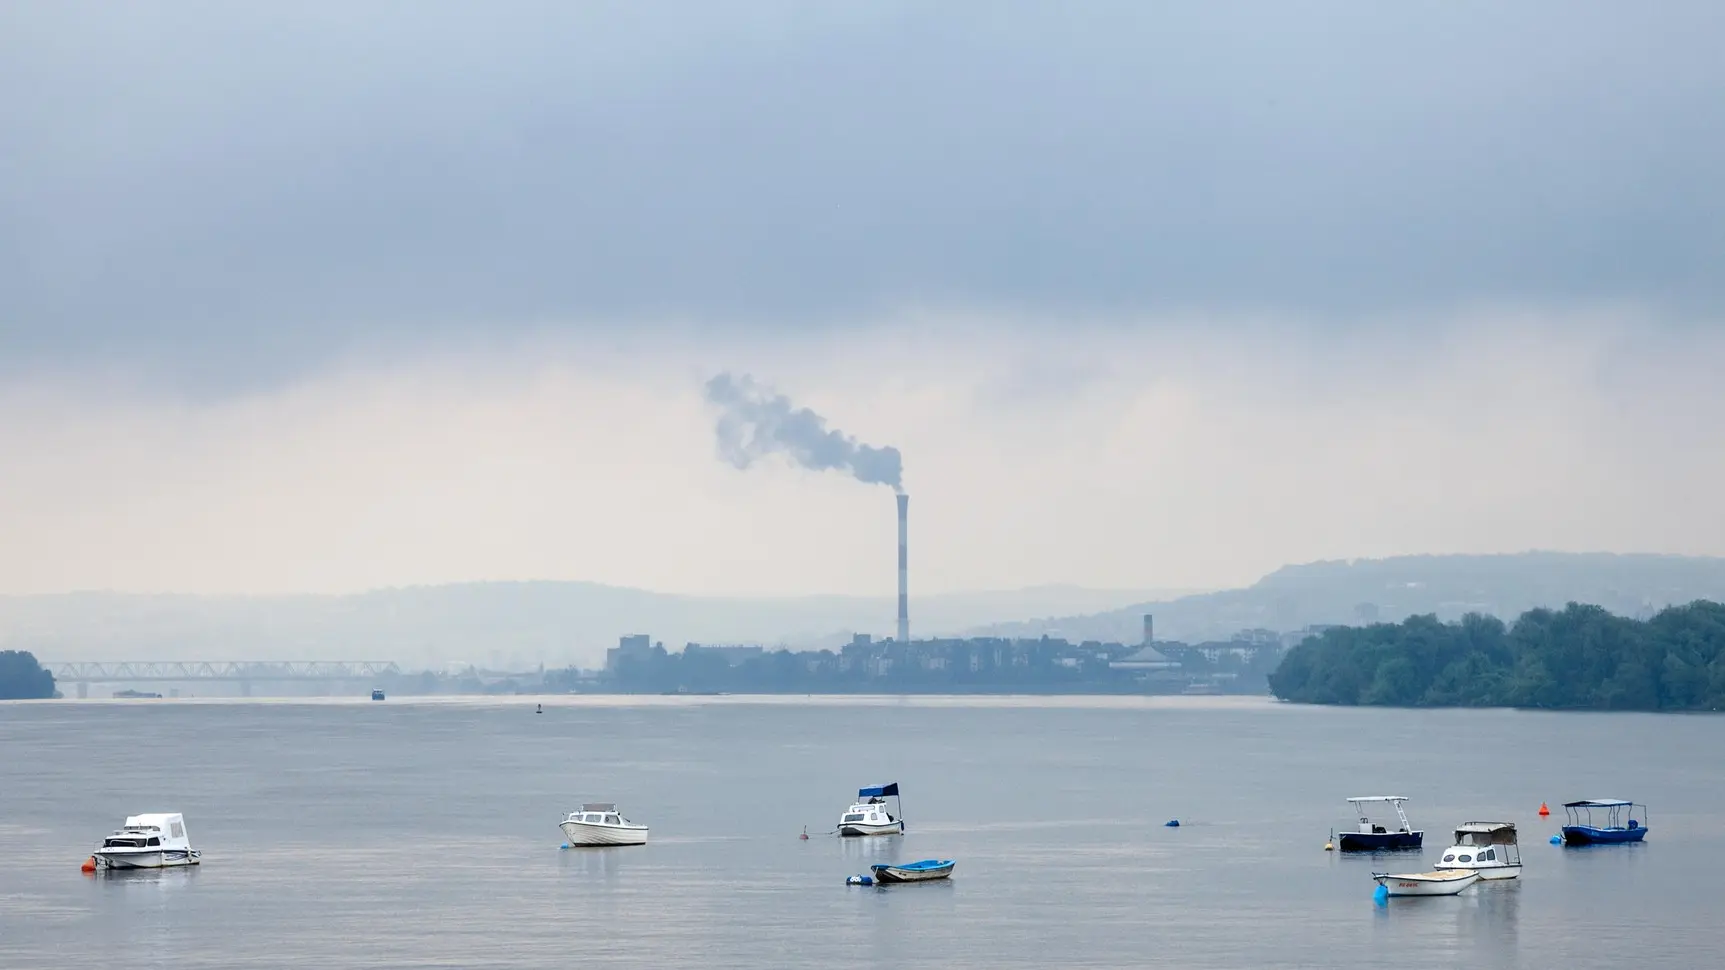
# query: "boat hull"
[[859, 830], [1379, 841], [1588, 835], [147, 859], [587, 834], [920, 873], [1437, 883]]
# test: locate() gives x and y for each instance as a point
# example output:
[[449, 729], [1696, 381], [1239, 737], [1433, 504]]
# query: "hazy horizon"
[[324, 299]]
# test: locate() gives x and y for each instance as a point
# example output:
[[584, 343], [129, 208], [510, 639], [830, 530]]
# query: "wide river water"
[[404, 833]]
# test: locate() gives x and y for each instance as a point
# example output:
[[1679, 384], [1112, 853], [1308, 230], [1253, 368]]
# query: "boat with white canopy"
[[1614, 814], [155, 841], [1371, 836], [1488, 848]]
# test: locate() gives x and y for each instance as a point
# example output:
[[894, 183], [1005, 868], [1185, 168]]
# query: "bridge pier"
[[245, 688], [83, 689]]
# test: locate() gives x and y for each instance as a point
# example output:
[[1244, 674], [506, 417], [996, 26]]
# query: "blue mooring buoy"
[[1557, 840], [564, 846], [859, 880], [1381, 895], [1172, 823]]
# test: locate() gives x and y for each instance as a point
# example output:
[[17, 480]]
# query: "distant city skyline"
[[324, 299]]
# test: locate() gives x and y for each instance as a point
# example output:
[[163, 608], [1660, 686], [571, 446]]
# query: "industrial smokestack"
[[903, 561], [1149, 629]]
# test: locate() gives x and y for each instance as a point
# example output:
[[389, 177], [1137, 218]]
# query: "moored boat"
[[924, 871], [154, 841], [1488, 848], [869, 815], [599, 823], [1439, 882], [1373, 837], [1620, 826]]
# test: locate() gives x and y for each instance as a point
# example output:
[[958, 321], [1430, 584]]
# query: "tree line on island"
[[22, 678], [1578, 658]]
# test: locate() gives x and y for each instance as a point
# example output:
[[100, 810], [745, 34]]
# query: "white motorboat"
[[147, 842], [1440, 882], [1488, 848], [869, 816], [599, 823]]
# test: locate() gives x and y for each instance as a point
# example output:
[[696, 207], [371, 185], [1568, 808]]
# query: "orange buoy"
[[1543, 811], [89, 865]]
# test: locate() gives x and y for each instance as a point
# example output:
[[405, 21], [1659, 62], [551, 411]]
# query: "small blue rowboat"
[[922, 871]]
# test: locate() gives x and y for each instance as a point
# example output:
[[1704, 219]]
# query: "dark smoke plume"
[[755, 422]]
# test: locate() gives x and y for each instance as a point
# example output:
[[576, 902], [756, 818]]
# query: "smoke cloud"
[[756, 422]]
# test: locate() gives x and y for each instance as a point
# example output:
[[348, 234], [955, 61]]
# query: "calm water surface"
[[424, 834]]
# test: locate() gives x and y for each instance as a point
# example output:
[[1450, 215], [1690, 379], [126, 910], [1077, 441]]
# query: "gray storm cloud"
[[438, 171], [755, 422]]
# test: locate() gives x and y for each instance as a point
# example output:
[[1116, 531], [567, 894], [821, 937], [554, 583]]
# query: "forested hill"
[[1579, 658], [22, 678]]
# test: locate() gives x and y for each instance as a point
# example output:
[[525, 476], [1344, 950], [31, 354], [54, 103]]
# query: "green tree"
[[22, 678]]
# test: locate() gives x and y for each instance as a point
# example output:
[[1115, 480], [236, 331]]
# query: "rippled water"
[[363, 834]]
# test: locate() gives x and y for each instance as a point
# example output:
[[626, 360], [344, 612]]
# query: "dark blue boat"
[[1372, 837], [1620, 826]]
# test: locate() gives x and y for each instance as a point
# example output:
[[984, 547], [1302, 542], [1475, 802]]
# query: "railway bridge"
[[243, 673]]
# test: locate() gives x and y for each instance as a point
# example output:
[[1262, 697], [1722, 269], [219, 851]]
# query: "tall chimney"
[[1149, 629], [903, 588]]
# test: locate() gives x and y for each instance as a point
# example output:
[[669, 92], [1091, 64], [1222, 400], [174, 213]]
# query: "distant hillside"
[[1368, 590], [514, 625]]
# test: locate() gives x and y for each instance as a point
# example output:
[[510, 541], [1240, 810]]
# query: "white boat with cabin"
[[1488, 848], [599, 823], [155, 841], [869, 815]]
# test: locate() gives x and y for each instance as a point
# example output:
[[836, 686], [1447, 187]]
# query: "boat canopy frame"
[[1494, 833], [888, 790], [1615, 809], [1394, 801]]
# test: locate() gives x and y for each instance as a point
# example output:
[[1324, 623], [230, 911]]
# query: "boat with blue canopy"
[[869, 815], [924, 871], [1618, 815], [1373, 837]]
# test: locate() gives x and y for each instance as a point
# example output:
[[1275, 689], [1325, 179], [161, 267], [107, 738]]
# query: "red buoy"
[[1543, 811], [89, 865], [805, 836]]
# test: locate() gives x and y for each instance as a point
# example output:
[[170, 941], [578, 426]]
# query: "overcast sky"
[[328, 296]]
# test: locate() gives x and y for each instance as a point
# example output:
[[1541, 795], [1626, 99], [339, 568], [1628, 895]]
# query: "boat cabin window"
[[1466, 858], [1449, 857], [1491, 855], [177, 830], [610, 820], [590, 817], [153, 841], [854, 817]]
